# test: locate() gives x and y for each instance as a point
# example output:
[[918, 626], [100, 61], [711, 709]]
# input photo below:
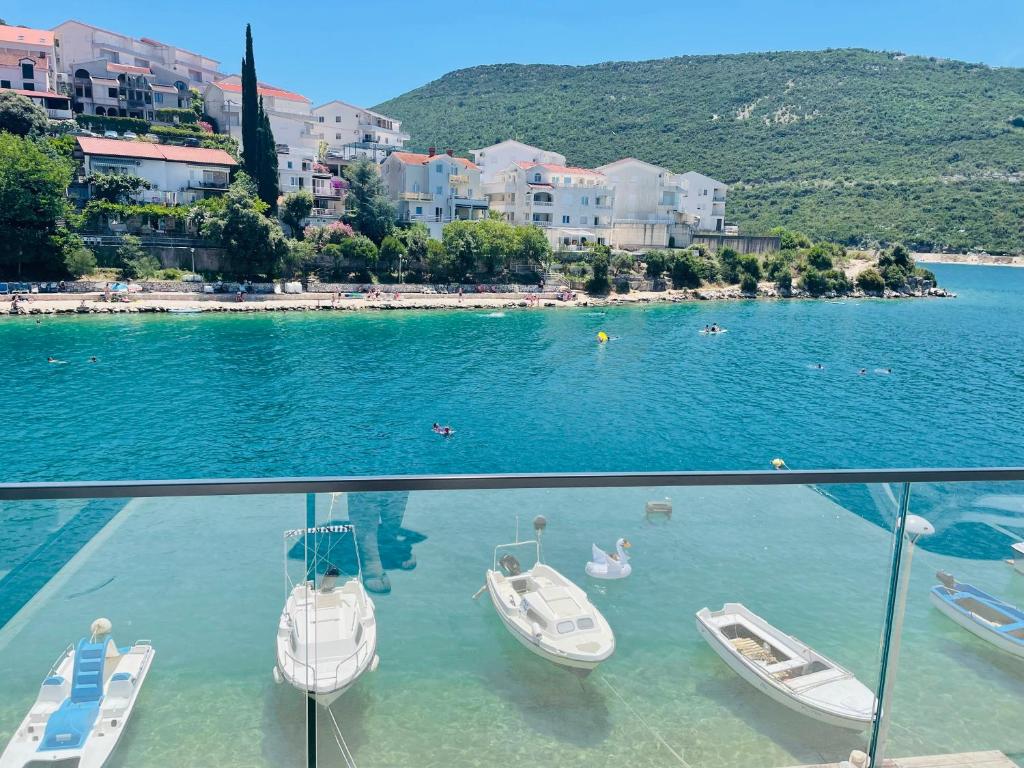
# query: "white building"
[[433, 188], [290, 114], [178, 175], [352, 132], [81, 42], [655, 208], [574, 206], [498, 157], [30, 60]]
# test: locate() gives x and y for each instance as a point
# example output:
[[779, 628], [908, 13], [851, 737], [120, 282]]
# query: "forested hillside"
[[851, 145]]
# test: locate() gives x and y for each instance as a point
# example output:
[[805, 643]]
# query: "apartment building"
[[101, 87], [80, 42], [351, 132], [178, 175], [574, 206], [655, 208], [290, 113], [498, 157], [433, 188], [30, 60]]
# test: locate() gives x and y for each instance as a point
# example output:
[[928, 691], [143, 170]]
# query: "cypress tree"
[[250, 110], [267, 179]]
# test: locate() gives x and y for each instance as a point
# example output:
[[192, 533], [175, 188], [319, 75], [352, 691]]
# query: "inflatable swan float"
[[614, 566]]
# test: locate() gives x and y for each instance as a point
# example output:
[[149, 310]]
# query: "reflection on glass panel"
[[565, 622], [179, 670], [960, 679]]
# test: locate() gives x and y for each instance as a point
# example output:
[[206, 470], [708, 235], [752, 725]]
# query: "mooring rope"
[[339, 739], [645, 724]]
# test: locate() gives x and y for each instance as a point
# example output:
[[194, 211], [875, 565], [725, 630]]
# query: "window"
[[415, 186], [320, 119], [585, 622], [565, 219], [583, 219], [536, 177], [28, 86], [584, 200], [437, 213], [337, 118], [419, 210], [158, 98], [289, 165], [337, 136], [438, 190], [564, 627], [141, 62], [439, 168], [28, 71], [566, 180], [597, 221], [5, 83], [112, 93]]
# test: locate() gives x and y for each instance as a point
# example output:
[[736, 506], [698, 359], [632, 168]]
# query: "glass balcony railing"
[[695, 619]]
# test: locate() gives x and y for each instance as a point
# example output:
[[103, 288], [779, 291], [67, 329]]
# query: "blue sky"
[[366, 52]]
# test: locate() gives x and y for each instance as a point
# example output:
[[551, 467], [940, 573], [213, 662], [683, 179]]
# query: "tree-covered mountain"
[[853, 145]]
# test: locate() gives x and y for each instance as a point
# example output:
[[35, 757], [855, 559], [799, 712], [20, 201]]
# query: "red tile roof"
[[127, 69], [560, 168], [145, 151], [26, 36], [415, 158], [36, 94], [263, 90]]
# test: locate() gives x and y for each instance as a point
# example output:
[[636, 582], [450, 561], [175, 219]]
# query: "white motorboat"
[[609, 566], [327, 634], [83, 705], [789, 671], [545, 611]]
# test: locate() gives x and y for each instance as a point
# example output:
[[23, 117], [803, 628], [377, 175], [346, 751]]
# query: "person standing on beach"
[[460, 294]]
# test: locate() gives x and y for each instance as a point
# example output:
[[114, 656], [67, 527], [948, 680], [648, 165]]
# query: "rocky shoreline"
[[185, 303]]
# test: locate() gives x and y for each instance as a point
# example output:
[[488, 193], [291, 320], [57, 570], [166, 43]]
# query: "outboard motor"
[[330, 579], [510, 565], [946, 579]]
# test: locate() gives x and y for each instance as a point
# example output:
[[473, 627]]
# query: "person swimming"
[[93, 359], [863, 371], [819, 366], [55, 361]]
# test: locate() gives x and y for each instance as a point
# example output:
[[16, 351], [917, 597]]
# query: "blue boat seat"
[[70, 725]]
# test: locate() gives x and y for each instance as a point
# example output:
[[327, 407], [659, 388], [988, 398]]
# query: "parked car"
[[110, 134], [130, 135]]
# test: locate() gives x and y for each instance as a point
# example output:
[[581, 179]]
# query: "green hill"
[[850, 145]]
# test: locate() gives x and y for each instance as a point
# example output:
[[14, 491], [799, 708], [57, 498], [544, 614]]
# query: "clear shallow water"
[[318, 394], [293, 394]]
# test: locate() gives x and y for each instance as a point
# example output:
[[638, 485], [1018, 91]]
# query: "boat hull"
[[775, 692], [579, 664], [976, 628]]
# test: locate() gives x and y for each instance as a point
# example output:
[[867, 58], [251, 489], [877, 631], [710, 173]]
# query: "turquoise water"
[[530, 391], [314, 394]]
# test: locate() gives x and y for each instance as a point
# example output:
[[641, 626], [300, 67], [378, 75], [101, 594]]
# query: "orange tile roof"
[[26, 36], [415, 158], [263, 90], [36, 94], [145, 151], [560, 168], [127, 69]]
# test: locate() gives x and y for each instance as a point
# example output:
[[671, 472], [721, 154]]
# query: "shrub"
[[815, 282], [20, 116], [748, 264], [686, 270], [80, 261], [870, 281], [658, 262], [784, 282], [622, 263], [728, 261], [110, 123], [172, 273], [598, 284], [141, 268], [748, 283], [819, 257], [172, 115]]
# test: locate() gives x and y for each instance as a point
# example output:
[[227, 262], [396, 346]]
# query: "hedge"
[[108, 123], [172, 115]]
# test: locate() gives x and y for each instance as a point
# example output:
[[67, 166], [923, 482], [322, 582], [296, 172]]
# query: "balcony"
[[470, 202], [202, 570], [415, 196]]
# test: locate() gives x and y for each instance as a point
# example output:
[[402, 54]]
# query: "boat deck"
[[991, 759]]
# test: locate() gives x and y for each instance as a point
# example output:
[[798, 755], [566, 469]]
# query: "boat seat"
[[750, 649], [69, 726]]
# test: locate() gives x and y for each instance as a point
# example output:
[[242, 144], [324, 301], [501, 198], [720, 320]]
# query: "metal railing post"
[[309, 541]]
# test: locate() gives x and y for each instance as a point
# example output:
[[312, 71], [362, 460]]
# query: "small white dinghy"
[[545, 611], [83, 705], [605, 566], [788, 671], [327, 634]]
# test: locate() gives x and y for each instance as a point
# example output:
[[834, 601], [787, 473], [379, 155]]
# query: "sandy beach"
[[978, 259]]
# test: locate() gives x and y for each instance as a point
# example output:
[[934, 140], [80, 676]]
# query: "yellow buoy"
[[602, 336], [778, 463]]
